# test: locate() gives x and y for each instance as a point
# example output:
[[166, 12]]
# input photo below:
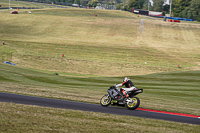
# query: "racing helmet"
[[126, 79]]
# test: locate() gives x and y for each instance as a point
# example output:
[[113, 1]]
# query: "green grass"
[[163, 91], [23, 118]]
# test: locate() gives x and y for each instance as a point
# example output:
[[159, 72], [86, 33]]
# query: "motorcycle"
[[116, 97]]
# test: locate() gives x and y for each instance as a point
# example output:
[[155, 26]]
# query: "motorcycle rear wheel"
[[133, 105], [105, 100]]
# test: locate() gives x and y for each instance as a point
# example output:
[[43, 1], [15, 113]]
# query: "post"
[[170, 8], [9, 4]]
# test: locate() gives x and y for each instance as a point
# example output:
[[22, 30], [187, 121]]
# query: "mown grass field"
[[23, 118], [98, 52], [175, 91], [101, 46]]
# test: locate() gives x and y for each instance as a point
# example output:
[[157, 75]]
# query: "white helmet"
[[126, 79]]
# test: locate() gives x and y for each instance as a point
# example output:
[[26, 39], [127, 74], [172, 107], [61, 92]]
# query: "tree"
[[118, 1], [131, 4], [69, 1], [192, 11], [146, 5], [77, 2], [158, 5], [179, 6], [138, 4], [92, 3], [166, 9], [118, 6]]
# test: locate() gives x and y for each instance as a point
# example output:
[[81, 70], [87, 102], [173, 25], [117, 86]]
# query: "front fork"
[[107, 97]]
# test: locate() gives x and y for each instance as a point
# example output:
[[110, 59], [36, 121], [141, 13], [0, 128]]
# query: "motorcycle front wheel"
[[134, 104], [105, 100]]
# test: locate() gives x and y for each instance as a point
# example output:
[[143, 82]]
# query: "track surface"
[[30, 100]]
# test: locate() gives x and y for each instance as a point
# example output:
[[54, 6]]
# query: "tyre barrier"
[[174, 21]]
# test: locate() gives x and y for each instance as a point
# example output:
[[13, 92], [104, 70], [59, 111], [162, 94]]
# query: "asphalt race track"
[[47, 102]]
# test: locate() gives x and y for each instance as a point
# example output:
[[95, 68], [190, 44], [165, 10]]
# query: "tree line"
[[180, 8]]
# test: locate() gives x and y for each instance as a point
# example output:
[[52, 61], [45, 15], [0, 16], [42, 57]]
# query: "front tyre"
[[133, 104], [105, 100]]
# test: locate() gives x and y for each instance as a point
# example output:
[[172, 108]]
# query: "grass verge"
[[24, 118]]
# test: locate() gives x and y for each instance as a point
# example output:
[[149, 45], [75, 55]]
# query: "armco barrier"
[[175, 18]]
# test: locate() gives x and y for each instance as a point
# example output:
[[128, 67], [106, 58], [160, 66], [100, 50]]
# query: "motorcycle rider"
[[129, 87]]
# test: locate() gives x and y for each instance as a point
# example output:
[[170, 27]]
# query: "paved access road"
[[47, 102]]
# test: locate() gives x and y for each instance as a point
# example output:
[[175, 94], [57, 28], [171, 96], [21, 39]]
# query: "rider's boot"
[[125, 94]]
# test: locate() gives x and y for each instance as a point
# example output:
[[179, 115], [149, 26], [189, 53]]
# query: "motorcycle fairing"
[[135, 92]]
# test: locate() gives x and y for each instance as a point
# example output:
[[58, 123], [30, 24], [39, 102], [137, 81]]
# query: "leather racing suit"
[[129, 87]]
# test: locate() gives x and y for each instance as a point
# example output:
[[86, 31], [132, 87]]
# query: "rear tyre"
[[134, 104], [105, 100]]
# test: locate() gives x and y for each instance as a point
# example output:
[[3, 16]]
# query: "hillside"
[[107, 45]]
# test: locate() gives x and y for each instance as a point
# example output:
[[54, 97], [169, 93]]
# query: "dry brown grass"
[[23, 118], [99, 45]]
